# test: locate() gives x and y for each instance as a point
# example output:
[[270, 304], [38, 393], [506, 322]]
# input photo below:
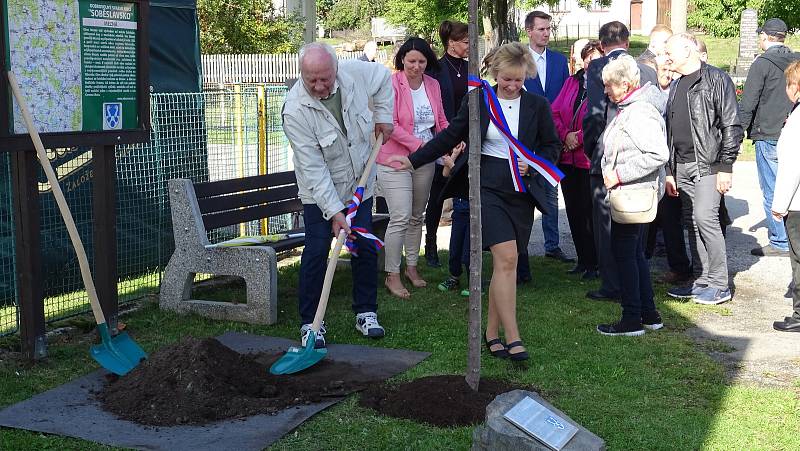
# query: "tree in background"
[[721, 17], [247, 26], [422, 17], [352, 14]]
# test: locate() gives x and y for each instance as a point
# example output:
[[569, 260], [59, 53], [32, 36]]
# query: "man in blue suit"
[[551, 72]]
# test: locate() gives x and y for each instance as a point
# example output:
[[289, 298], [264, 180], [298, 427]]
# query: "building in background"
[[570, 20]]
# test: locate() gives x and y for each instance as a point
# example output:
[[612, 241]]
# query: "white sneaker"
[[320, 340], [367, 324]]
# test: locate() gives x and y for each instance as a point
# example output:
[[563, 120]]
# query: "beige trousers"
[[406, 194]]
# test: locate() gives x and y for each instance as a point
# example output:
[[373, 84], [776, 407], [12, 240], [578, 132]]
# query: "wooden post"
[[263, 166], [24, 167], [105, 231], [473, 376]]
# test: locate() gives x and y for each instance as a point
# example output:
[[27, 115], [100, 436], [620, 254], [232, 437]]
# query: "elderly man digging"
[[328, 121]]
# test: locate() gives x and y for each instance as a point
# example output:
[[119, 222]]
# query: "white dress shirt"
[[541, 65]]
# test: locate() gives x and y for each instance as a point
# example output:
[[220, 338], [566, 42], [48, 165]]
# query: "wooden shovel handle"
[[376, 148], [326, 285], [83, 262]]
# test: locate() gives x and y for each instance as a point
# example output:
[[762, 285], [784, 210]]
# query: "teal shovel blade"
[[297, 359], [118, 355]]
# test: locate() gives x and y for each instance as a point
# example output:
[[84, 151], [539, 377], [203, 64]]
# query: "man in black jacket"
[[704, 135], [614, 39], [762, 111]]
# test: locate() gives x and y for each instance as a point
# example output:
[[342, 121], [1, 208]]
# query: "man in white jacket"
[[786, 199], [329, 124]]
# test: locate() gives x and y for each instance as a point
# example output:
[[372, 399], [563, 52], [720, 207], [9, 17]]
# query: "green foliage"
[[719, 17], [247, 26], [423, 17], [353, 14], [788, 10]]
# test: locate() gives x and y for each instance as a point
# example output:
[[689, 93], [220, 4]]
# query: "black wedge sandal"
[[519, 356], [499, 353]]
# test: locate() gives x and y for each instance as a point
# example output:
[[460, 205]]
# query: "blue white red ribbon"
[[516, 150], [352, 209]]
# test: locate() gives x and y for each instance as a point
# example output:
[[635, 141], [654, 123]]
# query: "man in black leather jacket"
[[704, 135]]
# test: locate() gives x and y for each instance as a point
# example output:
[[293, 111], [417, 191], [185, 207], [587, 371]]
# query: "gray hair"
[[622, 69], [317, 45]]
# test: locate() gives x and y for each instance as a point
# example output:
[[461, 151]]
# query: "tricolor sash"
[[352, 209], [516, 150]]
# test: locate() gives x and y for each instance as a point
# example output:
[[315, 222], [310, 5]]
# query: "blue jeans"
[[313, 263], [627, 245], [767, 164], [550, 222], [459, 237]]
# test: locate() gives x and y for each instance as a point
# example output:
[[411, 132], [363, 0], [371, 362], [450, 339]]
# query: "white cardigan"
[[786, 197]]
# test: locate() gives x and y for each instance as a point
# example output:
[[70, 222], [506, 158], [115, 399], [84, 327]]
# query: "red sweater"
[[566, 121]]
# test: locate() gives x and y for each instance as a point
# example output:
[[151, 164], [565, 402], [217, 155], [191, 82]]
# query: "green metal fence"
[[214, 135]]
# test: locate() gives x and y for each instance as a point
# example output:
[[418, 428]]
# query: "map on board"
[[75, 62], [45, 55]]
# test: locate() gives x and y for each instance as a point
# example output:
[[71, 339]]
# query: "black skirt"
[[506, 215]]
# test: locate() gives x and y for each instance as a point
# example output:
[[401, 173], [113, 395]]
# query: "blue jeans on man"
[[767, 165], [314, 261]]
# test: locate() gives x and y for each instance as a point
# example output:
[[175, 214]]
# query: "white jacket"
[[327, 161], [786, 197]]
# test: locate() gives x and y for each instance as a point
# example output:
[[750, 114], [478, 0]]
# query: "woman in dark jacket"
[[506, 215], [452, 77]]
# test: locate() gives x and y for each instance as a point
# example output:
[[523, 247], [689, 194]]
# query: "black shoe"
[[559, 255], [769, 251], [577, 269], [499, 353], [432, 259], [626, 329], [519, 356], [523, 280], [602, 296], [788, 324], [590, 275], [652, 320]]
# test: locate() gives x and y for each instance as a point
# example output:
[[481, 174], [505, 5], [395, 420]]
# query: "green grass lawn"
[[660, 391]]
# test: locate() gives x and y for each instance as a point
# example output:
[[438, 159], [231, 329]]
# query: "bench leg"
[[176, 285]]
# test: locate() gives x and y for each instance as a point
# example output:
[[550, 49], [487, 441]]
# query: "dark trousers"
[[601, 223], [433, 212], [627, 246], [578, 202], [313, 263], [792, 223], [668, 219], [459, 237]]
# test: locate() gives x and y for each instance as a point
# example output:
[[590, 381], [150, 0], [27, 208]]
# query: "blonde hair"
[[622, 69], [660, 28], [792, 73], [511, 55]]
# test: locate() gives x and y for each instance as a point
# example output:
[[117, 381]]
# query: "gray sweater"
[[636, 143]]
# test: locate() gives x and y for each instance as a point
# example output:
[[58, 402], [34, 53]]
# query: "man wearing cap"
[[762, 111]]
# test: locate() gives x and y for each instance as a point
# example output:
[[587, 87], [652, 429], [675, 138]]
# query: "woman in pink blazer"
[[569, 108], [418, 116]]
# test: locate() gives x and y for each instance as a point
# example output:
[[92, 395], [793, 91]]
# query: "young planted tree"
[[475, 242]]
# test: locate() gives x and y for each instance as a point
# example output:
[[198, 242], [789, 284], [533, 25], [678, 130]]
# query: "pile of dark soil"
[[443, 401], [199, 381]]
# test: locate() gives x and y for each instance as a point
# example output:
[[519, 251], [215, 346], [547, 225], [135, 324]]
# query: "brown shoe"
[[674, 278]]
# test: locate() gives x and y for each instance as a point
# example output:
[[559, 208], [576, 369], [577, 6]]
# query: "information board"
[[78, 63]]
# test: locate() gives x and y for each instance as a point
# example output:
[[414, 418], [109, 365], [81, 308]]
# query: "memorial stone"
[[748, 42], [499, 434]]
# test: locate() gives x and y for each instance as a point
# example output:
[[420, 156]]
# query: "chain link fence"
[[226, 133]]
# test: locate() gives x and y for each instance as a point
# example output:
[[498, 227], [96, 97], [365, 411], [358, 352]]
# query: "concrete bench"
[[198, 208]]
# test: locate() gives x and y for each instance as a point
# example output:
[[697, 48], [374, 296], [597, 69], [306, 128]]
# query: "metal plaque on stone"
[[541, 423]]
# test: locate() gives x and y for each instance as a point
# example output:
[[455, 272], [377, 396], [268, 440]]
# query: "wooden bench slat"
[[217, 220], [221, 187], [247, 199]]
